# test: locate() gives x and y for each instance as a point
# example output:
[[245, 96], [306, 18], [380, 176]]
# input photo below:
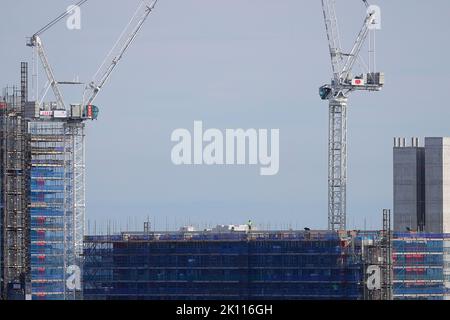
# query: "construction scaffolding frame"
[[14, 152], [421, 268], [75, 166], [57, 205], [386, 247], [236, 265]]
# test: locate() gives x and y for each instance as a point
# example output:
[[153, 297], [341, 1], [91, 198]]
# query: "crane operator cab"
[[325, 92], [90, 112]]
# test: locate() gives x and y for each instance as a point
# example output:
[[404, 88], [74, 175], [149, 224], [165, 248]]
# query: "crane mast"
[[342, 84]]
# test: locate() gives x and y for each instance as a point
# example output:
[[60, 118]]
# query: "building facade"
[[421, 266], [422, 185], [437, 184], [232, 265], [409, 186]]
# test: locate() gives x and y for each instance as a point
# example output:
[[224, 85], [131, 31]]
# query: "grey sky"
[[231, 64]]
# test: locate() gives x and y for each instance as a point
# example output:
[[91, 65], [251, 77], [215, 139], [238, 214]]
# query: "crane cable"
[[118, 40]]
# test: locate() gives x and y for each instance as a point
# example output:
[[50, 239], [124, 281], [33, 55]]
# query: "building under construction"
[[14, 187], [43, 173], [57, 203], [421, 266], [190, 265], [42, 195], [240, 263]]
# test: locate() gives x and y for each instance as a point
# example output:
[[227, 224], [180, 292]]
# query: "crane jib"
[[93, 89]]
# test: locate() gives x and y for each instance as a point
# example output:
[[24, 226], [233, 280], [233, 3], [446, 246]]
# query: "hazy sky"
[[238, 64]]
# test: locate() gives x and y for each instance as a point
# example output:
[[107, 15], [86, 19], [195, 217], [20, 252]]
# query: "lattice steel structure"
[[386, 247], [14, 193], [337, 166], [337, 92], [75, 166]]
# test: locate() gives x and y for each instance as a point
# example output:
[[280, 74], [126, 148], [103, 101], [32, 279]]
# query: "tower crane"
[[103, 74], [337, 92], [75, 115]]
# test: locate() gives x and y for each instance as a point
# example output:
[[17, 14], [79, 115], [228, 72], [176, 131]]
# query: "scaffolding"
[[42, 203], [235, 265], [421, 268], [14, 192], [377, 256], [386, 263], [57, 205]]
